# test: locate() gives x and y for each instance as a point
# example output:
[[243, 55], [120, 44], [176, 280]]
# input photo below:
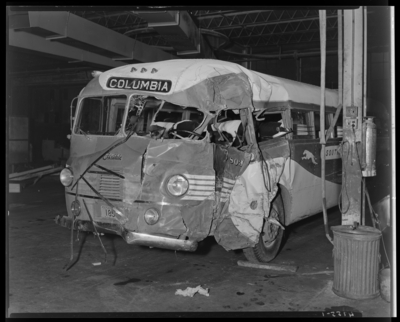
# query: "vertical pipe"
[[393, 163], [352, 114], [365, 63], [340, 56], [322, 23], [363, 141]]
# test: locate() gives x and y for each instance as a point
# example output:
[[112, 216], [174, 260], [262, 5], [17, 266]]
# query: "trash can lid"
[[360, 230]]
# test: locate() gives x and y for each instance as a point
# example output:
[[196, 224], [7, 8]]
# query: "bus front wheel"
[[271, 237]]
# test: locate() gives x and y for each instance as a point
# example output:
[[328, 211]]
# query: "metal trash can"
[[356, 262]]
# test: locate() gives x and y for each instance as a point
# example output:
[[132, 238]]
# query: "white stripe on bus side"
[[211, 197], [201, 182], [195, 176], [202, 188], [229, 181], [199, 193]]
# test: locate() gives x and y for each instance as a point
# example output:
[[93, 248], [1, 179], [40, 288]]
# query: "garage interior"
[[51, 55]]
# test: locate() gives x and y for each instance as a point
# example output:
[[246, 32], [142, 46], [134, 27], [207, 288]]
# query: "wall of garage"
[[47, 108]]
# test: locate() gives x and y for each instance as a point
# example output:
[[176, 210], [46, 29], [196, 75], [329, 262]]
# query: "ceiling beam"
[[39, 44], [65, 28], [265, 23], [226, 14]]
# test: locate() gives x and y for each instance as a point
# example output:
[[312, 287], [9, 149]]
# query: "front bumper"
[[130, 237]]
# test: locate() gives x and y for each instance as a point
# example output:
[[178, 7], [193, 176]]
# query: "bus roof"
[[208, 84]]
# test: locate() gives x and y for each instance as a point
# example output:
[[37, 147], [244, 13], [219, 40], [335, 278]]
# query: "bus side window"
[[301, 128], [310, 119], [317, 123], [267, 126], [338, 129]]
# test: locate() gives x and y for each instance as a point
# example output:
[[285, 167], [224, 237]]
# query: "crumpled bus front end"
[[150, 192]]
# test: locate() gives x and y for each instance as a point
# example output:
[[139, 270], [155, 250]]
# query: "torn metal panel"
[[231, 91], [114, 178], [192, 211], [206, 84], [170, 223], [278, 147], [248, 201], [81, 158], [252, 194], [229, 164], [229, 237]]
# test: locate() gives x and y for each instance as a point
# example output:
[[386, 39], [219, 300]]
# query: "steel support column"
[[352, 115]]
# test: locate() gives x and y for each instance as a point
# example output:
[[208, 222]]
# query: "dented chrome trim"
[[134, 238], [130, 237]]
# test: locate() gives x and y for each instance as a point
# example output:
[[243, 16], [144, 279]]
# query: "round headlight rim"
[[157, 213], [169, 179], [71, 176]]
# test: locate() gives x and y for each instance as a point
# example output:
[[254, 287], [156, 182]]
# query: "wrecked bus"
[[167, 153]]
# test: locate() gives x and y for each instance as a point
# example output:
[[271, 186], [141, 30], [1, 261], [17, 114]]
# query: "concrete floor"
[[140, 279]]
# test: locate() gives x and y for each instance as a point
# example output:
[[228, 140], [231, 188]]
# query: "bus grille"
[[110, 185]]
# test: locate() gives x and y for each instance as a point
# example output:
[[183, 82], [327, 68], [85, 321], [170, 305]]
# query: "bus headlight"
[[75, 208], [177, 185], [151, 216], [66, 177]]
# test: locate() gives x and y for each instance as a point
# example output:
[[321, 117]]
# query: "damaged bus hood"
[[125, 159]]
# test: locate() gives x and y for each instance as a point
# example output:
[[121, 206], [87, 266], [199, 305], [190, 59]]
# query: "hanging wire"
[[95, 230], [344, 183], [66, 267], [269, 186]]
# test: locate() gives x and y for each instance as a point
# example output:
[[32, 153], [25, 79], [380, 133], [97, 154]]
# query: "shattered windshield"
[[145, 116], [152, 117]]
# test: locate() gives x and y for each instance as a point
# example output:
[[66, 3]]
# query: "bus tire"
[[268, 244]]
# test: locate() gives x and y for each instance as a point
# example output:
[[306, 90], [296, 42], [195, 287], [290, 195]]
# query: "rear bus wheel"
[[271, 237]]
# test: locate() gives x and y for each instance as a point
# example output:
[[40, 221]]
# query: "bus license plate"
[[107, 212]]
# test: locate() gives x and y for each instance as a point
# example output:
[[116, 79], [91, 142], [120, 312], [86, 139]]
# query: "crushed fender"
[[248, 203]]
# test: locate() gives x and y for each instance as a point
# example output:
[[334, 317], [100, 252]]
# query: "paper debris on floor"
[[190, 291], [96, 264]]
